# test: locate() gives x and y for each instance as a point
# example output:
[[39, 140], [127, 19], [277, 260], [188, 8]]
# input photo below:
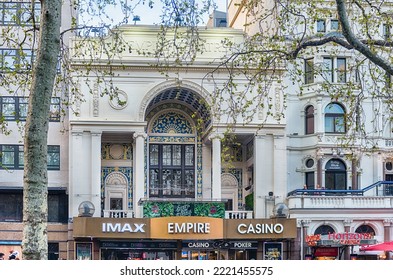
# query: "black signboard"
[[139, 245]]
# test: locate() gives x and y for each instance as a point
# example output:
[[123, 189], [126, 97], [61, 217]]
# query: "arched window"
[[309, 114], [171, 156], [324, 230], [365, 229], [334, 118], [335, 175]]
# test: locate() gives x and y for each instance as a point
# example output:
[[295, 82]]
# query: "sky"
[[151, 16], [146, 14]]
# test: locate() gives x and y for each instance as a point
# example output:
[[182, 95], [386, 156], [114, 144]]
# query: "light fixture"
[[86, 209]]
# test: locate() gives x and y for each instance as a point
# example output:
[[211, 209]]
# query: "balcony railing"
[[118, 214], [380, 188], [378, 195], [238, 215]]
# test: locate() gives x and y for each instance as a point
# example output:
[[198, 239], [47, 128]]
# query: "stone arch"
[[116, 179], [175, 83], [230, 189], [116, 191], [229, 180]]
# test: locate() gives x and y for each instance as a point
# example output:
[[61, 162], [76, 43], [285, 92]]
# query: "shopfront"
[[180, 237], [266, 239], [331, 246]]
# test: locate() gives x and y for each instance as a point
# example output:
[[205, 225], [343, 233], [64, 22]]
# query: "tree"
[[36, 133], [280, 34]]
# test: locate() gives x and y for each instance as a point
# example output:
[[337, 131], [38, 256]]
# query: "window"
[[321, 25], [15, 108], [57, 207], [309, 112], [341, 70], [310, 180], [12, 157], [327, 69], [388, 80], [334, 118], [386, 31], [334, 25], [334, 69], [18, 13], [12, 59], [309, 163], [309, 70], [53, 157], [365, 229], [53, 251], [11, 206], [172, 170], [324, 230], [335, 175]]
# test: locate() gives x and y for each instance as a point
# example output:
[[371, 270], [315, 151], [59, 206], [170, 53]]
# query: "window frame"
[[18, 157], [16, 11], [309, 74], [335, 117], [309, 118], [159, 170], [19, 101], [321, 25]]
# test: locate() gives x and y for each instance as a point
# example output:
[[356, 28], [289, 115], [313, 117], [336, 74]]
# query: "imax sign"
[[119, 227]]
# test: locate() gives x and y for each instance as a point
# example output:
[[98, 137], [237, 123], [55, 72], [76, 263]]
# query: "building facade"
[[145, 172]]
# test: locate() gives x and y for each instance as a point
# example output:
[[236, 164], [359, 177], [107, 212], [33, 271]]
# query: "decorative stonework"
[[170, 84], [171, 123], [119, 100], [117, 176], [96, 100], [121, 151]]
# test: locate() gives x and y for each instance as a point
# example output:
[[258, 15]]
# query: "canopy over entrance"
[[386, 246]]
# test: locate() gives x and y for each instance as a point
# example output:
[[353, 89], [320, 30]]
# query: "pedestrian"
[[13, 255]]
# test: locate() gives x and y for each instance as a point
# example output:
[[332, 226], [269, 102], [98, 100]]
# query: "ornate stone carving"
[[170, 84], [119, 100], [96, 100]]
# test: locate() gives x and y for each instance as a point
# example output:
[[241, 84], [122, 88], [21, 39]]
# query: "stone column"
[[260, 188], [347, 249], [304, 249], [216, 165], [139, 172], [280, 170], [387, 232], [319, 168], [96, 172], [76, 172]]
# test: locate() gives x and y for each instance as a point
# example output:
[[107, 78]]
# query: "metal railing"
[[234, 215], [380, 188], [119, 214]]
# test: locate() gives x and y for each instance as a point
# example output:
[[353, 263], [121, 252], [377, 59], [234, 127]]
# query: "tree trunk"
[[35, 184]]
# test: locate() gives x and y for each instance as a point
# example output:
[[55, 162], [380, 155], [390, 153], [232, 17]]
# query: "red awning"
[[386, 246]]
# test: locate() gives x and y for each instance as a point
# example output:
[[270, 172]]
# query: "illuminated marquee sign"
[[345, 238]]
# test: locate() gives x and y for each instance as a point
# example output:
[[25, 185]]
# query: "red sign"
[[326, 252]]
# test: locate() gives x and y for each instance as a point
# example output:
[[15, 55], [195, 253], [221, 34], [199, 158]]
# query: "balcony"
[[235, 215], [119, 214], [377, 196]]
